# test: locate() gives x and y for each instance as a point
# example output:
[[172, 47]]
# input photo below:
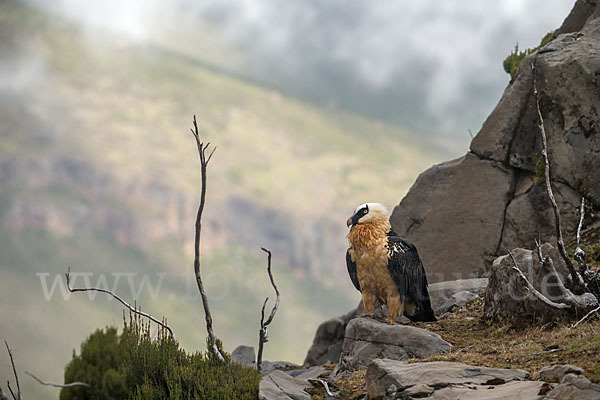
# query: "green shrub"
[[136, 366], [513, 61]]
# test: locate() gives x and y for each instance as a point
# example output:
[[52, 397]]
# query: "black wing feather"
[[407, 271], [352, 270]]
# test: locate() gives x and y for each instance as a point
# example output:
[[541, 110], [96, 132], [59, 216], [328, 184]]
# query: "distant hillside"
[[98, 171]]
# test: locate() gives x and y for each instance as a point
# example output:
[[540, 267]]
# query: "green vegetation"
[[513, 61], [135, 366]]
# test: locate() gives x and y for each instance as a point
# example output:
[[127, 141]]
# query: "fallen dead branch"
[[67, 385], [134, 310], [585, 318]]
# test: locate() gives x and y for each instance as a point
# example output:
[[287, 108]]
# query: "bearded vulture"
[[386, 267]]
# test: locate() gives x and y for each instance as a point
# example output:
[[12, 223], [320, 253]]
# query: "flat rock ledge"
[[441, 380], [366, 339]]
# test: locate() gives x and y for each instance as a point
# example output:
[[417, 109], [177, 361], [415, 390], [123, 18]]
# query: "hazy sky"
[[433, 66]]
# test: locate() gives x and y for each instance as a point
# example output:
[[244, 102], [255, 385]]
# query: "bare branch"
[[533, 290], [11, 391], [330, 394], [203, 163], [577, 280], [12, 361], [585, 318], [263, 334], [579, 253], [56, 385], [120, 300]]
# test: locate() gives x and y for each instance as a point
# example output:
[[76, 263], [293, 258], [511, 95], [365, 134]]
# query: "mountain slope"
[[99, 172]]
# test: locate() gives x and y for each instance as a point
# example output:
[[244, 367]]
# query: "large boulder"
[[367, 339], [464, 213]]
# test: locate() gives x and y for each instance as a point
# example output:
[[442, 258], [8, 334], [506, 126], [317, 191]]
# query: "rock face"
[[508, 298], [462, 214], [367, 339]]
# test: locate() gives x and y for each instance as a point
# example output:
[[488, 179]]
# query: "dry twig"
[[263, 334], [585, 318], [577, 280], [120, 300], [579, 253], [66, 385], [202, 148], [12, 361]]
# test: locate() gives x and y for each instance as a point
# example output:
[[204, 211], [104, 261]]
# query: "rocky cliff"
[[463, 213]]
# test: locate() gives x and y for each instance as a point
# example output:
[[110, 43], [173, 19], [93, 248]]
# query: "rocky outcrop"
[[464, 213], [367, 339]]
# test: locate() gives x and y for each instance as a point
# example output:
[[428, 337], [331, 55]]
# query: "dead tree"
[[263, 333], [204, 160]]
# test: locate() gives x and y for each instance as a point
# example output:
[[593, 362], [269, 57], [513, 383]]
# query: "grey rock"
[[310, 373], [555, 373], [384, 373], [441, 292], [575, 387], [530, 214], [457, 300], [244, 355], [528, 390], [278, 385], [454, 214], [269, 366], [328, 335], [367, 339]]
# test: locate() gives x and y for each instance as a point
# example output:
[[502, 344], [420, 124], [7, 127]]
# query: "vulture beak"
[[349, 222]]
